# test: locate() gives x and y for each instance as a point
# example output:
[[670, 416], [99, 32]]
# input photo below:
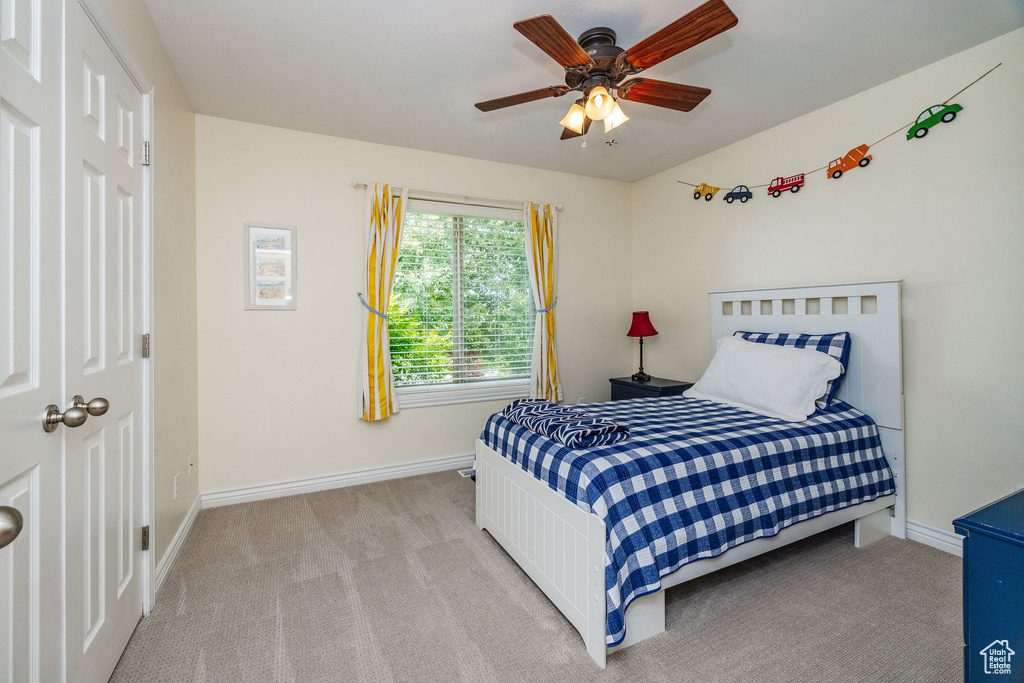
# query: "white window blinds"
[[461, 310]]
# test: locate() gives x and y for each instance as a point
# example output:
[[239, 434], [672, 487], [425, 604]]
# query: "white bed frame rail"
[[561, 546]]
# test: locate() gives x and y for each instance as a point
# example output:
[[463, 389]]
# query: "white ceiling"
[[407, 73]]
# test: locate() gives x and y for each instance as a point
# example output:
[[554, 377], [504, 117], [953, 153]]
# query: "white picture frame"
[[270, 267]]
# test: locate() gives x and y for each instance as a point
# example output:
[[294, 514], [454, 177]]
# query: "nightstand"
[[626, 387], [993, 552]]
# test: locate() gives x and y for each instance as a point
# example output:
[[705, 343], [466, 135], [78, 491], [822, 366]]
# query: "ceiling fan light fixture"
[[600, 103], [594, 64], [615, 119], [574, 119]]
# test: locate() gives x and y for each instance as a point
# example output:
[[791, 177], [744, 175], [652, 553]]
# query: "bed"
[[538, 500]]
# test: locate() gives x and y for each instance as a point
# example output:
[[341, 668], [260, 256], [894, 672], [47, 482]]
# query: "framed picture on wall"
[[270, 267]]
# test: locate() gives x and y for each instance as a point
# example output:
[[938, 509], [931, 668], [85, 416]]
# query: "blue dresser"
[[994, 590]]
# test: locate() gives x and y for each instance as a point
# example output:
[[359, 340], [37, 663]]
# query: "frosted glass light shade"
[[574, 119], [616, 118], [599, 104]]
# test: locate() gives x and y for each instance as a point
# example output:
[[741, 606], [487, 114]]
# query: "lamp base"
[[641, 377]]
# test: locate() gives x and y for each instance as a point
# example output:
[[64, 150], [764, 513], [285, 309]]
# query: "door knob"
[[96, 407], [72, 417], [11, 523]]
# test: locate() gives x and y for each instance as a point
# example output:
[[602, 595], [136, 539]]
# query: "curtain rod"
[[356, 183]]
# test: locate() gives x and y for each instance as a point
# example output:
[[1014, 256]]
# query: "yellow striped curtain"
[[542, 257], [384, 213]]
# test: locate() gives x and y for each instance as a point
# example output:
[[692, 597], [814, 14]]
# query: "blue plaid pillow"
[[836, 345]]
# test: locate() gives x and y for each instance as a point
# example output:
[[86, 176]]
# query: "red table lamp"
[[641, 327]]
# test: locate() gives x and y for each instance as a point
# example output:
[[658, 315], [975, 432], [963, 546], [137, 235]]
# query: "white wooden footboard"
[[557, 544], [561, 547]]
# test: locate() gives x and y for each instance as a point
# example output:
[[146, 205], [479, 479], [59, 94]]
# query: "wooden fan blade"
[[522, 98], [662, 94], [705, 22], [567, 133], [548, 35]]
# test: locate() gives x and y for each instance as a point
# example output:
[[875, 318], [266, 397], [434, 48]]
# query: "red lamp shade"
[[641, 326]]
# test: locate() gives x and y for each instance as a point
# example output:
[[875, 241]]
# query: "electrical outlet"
[[191, 464], [175, 486], [581, 399]]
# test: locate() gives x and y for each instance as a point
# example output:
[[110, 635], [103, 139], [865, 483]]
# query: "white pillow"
[[777, 381]]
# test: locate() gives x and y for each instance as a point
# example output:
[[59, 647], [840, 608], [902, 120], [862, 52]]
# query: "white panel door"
[[103, 299], [31, 581]]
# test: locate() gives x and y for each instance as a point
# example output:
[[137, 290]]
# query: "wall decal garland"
[[857, 157]]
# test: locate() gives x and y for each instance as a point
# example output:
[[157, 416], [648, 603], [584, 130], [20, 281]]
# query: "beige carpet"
[[393, 582]]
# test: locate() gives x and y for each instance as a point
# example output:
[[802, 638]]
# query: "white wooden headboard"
[[870, 312]]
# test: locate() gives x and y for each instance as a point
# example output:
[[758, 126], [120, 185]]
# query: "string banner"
[[857, 157]]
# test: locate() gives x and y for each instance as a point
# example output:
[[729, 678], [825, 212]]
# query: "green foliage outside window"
[[461, 309]]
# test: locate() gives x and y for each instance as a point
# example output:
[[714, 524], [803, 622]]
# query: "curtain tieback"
[[539, 310], [371, 308]]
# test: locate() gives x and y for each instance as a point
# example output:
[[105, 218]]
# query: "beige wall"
[[945, 213], [176, 431], [277, 389]]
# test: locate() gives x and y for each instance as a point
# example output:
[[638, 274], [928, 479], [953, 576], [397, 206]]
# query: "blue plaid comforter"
[[697, 478]]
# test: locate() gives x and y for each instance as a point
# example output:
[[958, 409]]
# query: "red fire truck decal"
[[793, 183]]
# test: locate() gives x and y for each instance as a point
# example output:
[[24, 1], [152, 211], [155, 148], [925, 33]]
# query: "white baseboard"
[[167, 561], [292, 487], [946, 541]]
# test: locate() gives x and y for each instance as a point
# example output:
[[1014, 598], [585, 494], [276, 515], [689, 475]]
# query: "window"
[[461, 314]]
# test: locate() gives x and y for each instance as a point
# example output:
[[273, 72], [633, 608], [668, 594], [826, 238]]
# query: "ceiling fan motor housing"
[[590, 39], [599, 44]]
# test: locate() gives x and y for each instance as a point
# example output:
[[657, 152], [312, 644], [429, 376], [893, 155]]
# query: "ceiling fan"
[[594, 66]]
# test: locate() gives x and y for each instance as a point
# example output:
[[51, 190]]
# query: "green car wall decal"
[[931, 116]]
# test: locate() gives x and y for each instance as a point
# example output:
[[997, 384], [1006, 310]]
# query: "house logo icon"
[[997, 657]]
